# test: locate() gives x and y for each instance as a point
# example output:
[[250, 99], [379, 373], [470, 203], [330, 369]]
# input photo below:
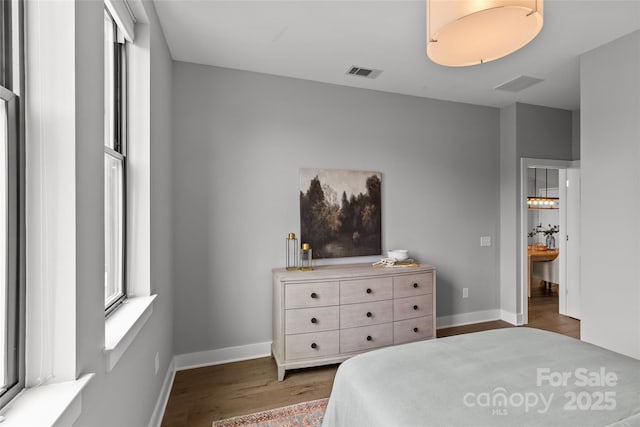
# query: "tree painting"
[[340, 212]]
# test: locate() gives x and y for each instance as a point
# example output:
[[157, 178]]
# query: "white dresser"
[[329, 314]]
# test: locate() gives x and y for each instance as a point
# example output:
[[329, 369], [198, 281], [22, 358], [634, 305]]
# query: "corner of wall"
[[508, 212], [575, 135]]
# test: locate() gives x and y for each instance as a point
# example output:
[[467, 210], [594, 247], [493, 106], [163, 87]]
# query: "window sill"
[[123, 325], [47, 405]]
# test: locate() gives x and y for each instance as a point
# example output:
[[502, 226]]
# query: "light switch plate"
[[485, 241]]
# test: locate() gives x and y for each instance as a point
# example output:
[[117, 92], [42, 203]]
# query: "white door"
[[571, 306]]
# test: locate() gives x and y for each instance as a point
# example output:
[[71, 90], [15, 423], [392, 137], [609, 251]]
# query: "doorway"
[[550, 201]]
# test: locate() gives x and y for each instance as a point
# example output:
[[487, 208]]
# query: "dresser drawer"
[[316, 319], [414, 284], [302, 295], [408, 308], [416, 329], [371, 313], [367, 337], [303, 346], [376, 289]]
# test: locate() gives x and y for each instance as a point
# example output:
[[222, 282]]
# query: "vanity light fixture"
[[541, 203], [461, 33]]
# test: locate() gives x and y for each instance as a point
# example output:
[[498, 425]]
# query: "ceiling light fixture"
[[461, 33], [541, 203]]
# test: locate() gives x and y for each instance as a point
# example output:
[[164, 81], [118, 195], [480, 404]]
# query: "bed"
[[504, 377]]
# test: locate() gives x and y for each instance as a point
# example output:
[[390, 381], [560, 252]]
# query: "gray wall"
[[610, 131], [543, 132], [127, 395], [240, 139], [575, 134], [509, 165], [526, 131], [161, 333]]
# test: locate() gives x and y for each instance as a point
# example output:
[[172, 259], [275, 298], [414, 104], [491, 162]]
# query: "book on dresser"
[[334, 312]]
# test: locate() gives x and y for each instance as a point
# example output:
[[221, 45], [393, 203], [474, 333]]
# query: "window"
[[11, 211], [114, 164]]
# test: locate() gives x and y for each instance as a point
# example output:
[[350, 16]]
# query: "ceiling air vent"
[[363, 72], [518, 84]]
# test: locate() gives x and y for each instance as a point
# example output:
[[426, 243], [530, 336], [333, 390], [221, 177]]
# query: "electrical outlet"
[[485, 241], [157, 360], [465, 292]]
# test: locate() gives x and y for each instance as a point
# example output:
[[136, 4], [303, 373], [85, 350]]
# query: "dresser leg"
[[281, 372]]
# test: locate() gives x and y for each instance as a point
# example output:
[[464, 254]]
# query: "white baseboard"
[[253, 351], [163, 398], [222, 355], [510, 317], [263, 349], [467, 318]]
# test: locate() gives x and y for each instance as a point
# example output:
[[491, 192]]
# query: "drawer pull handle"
[[415, 285], [369, 290], [314, 320], [415, 329], [415, 307], [314, 345], [369, 314], [314, 295], [369, 338]]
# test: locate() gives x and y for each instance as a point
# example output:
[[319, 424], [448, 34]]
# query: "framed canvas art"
[[340, 212]]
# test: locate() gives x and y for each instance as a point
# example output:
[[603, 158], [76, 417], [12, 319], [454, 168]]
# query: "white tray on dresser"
[[332, 313]]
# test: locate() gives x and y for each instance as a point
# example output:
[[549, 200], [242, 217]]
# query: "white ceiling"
[[319, 40]]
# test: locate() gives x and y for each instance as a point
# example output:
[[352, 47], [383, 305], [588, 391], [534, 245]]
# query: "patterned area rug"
[[305, 414]]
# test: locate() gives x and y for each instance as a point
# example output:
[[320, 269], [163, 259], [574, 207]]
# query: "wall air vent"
[[518, 84], [363, 72]]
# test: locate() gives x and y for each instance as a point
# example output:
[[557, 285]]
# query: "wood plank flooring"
[[543, 312], [200, 396], [203, 395]]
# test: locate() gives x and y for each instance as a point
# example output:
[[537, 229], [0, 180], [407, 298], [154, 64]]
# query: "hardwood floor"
[[203, 395], [543, 312]]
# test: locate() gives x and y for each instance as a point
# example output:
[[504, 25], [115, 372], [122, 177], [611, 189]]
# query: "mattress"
[[504, 377]]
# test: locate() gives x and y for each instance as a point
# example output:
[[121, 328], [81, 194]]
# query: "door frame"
[[570, 298], [525, 164]]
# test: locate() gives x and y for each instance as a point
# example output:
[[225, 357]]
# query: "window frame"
[[119, 152], [5, 48], [11, 86]]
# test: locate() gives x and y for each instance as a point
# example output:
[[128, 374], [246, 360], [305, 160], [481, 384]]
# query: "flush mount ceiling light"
[[469, 32]]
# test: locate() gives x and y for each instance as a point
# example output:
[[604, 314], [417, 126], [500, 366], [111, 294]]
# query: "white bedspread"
[[505, 377]]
